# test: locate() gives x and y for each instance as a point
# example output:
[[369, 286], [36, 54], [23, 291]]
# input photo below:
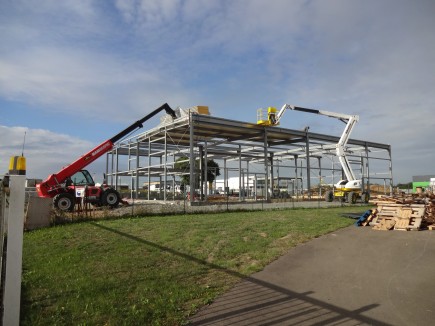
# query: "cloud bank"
[[107, 61]]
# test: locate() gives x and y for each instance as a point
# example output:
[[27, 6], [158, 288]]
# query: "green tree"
[[213, 170]]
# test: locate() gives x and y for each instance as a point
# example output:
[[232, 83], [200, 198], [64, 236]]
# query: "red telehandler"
[[72, 182]]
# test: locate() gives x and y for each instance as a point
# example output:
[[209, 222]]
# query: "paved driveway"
[[353, 276]]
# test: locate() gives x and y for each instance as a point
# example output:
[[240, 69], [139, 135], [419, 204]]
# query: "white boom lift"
[[348, 189]]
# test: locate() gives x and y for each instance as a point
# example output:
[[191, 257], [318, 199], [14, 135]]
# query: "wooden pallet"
[[398, 217], [385, 224], [370, 217], [411, 224], [409, 212]]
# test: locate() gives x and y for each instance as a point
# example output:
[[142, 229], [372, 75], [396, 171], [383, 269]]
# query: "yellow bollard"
[[17, 165]]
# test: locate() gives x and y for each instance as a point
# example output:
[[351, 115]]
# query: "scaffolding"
[[260, 156]]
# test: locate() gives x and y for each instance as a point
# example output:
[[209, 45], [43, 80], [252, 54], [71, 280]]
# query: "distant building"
[[423, 181], [31, 183], [251, 186], [159, 186]]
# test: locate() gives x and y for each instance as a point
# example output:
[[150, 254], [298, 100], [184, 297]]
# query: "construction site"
[[254, 166], [257, 161]]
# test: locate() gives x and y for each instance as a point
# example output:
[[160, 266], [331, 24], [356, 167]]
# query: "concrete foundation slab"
[[38, 213]]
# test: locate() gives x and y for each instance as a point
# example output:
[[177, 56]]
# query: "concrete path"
[[355, 276]]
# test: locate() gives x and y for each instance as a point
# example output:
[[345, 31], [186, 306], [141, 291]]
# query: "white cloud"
[[369, 58], [46, 152], [82, 8], [68, 80], [157, 14]]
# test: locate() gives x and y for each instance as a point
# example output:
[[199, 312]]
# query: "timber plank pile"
[[404, 213]]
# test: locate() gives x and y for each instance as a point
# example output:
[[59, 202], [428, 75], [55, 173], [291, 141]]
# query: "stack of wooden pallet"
[[403, 213], [430, 215]]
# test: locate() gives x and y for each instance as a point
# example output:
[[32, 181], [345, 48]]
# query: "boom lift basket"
[[269, 119]]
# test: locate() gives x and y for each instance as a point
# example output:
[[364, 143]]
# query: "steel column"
[[191, 160], [266, 166], [307, 151]]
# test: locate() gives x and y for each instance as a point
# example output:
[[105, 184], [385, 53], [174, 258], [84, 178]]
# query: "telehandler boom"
[[72, 182]]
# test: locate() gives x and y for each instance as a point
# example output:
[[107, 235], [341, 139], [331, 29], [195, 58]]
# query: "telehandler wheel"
[[64, 202], [111, 198], [329, 196], [351, 197]]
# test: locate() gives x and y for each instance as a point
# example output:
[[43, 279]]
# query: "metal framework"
[[260, 156]]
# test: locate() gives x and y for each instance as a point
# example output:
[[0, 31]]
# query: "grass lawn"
[[155, 270]]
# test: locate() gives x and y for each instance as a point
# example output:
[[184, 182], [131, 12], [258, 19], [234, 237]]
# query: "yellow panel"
[[203, 109]]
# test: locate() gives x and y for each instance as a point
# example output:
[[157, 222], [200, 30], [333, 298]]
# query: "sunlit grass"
[[155, 270]]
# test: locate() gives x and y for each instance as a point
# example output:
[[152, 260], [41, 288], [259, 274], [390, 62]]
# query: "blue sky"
[[74, 73]]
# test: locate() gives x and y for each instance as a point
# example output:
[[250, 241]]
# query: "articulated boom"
[[350, 186], [350, 121], [340, 148]]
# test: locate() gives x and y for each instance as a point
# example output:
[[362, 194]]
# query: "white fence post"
[[14, 246]]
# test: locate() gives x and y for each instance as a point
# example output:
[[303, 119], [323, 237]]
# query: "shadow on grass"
[[255, 301]]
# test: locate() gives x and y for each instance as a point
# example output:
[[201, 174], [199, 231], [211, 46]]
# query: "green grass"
[[155, 270]]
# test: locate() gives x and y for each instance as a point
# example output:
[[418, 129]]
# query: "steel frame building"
[[247, 150]]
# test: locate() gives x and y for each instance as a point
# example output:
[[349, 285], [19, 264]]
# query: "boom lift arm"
[[348, 189], [274, 117], [53, 184], [350, 121]]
